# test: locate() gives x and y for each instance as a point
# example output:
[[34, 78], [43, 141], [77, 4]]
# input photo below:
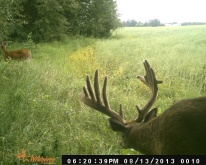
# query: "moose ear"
[[117, 126], [150, 115]]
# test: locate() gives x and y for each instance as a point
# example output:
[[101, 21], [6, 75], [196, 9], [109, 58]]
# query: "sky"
[[167, 11]]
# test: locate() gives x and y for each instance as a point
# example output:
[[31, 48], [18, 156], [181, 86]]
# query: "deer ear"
[[150, 115], [117, 126]]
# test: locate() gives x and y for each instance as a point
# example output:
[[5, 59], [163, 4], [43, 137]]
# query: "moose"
[[179, 130], [15, 54]]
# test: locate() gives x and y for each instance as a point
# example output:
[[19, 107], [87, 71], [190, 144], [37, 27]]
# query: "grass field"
[[40, 101]]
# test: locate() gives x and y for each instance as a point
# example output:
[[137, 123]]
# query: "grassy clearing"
[[40, 105]]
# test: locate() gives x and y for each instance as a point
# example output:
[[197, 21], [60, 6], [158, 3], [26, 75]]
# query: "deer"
[[15, 54], [178, 130]]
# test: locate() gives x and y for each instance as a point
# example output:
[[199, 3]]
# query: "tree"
[[44, 19], [130, 23], [50, 23], [92, 17], [50, 20], [102, 18], [72, 10], [154, 22], [10, 16]]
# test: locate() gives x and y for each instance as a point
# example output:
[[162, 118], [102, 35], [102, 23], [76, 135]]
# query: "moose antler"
[[93, 99]]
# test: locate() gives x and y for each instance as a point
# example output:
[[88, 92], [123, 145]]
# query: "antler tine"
[[92, 98], [150, 80], [121, 111]]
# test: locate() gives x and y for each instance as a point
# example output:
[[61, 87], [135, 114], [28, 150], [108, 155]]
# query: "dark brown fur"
[[181, 129]]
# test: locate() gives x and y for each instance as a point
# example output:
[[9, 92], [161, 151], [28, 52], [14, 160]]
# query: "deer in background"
[[15, 54], [180, 129]]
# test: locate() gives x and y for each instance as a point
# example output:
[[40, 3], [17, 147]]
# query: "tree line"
[[155, 22], [134, 23], [53, 19]]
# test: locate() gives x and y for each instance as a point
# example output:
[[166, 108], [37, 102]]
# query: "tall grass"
[[40, 101]]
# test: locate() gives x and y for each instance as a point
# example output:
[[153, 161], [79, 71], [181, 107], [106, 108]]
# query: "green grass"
[[40, 101]]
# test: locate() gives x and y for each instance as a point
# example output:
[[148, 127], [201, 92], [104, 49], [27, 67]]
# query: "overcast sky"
[[165, 10]]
